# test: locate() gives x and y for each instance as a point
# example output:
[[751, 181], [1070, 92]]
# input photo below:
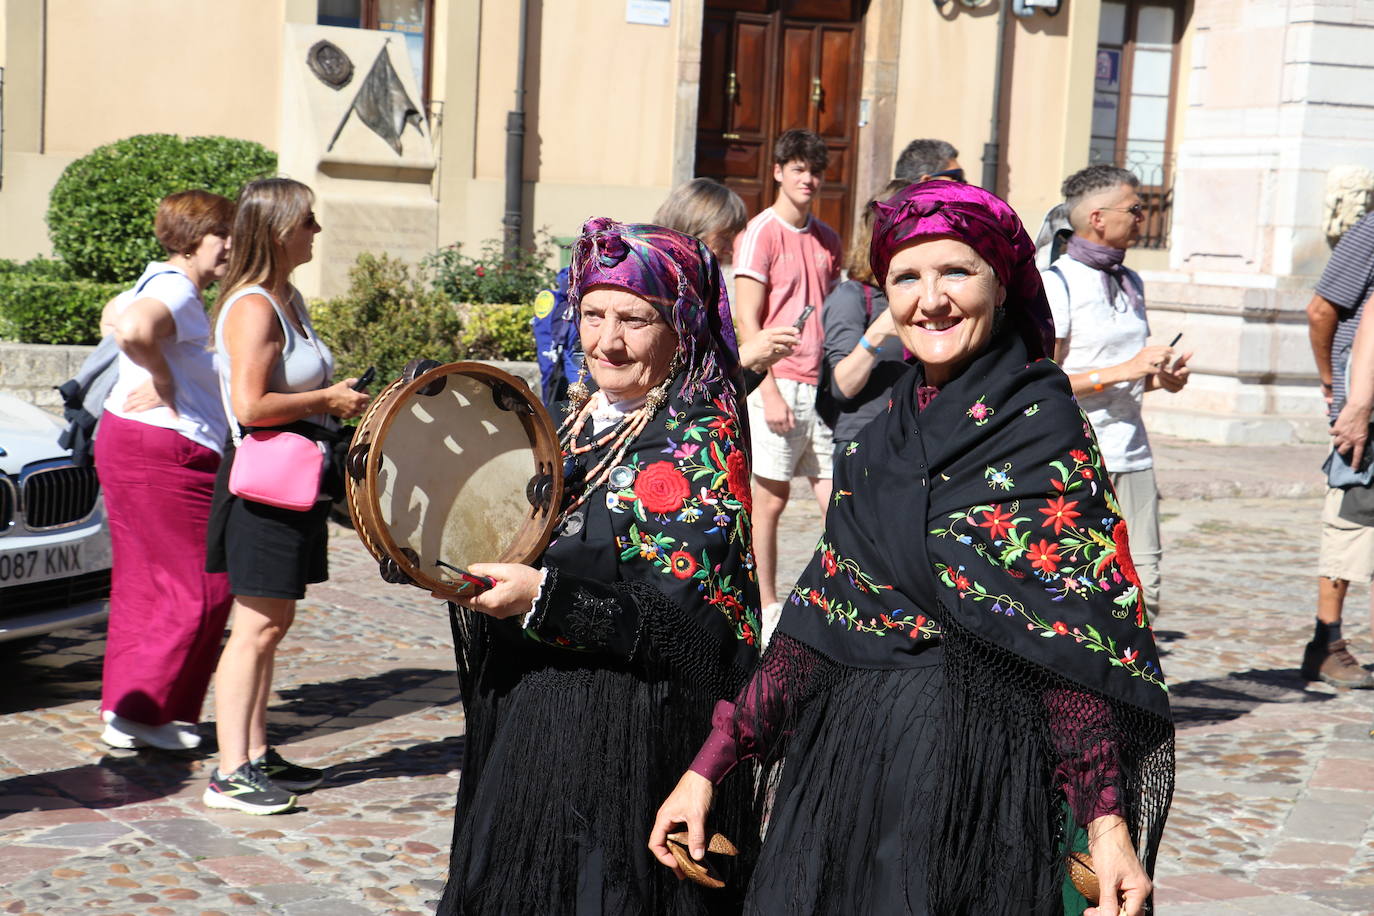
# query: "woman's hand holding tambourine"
[[516, 586]]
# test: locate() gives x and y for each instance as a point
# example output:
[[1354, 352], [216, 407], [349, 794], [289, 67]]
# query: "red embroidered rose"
[[737, 479], [682, 563], [1123, 554], [661, 487]]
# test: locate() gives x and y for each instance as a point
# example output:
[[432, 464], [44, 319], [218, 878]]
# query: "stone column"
[[1278, 94]]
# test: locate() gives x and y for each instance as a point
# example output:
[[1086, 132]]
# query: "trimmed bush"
[[492, 277], [497, 331], [100, 212], [389, 316], [41, 309]]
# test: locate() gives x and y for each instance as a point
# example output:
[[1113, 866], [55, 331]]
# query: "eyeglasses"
[[1137, 211], [951, 174]]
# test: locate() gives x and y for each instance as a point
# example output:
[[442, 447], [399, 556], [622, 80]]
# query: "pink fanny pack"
[[278, 468]]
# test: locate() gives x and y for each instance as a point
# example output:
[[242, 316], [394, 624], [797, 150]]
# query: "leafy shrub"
[[389, 316], [38, 267], [497, 331], [100, 213], [492, 277], [41, 309]]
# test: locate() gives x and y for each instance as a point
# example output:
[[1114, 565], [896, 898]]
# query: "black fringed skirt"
[[850, 823]]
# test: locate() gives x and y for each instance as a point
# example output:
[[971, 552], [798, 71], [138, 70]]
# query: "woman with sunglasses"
[[1101, 342], [274, 372]]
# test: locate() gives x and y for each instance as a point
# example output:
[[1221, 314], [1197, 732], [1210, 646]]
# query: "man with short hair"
[[923, 160], [786, 262], [1347, 548], [1101, 332]]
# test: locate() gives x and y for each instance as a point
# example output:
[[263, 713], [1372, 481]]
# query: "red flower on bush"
[[682, 563], [1044, 556], [480, 271], [737, 479], [661, 487]]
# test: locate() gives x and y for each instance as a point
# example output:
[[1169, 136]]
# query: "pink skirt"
[[167, 614]]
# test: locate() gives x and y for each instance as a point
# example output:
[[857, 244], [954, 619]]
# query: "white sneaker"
[[126, 733]]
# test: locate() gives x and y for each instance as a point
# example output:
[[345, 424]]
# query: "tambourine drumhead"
[[459, 465]]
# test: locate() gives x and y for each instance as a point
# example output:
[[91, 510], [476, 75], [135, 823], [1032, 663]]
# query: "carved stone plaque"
[[329, 62]]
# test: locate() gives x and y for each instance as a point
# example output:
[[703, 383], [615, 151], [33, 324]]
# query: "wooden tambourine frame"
[[511, 401]]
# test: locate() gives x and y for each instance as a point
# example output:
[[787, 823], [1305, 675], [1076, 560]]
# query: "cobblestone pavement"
[[1274, 812]]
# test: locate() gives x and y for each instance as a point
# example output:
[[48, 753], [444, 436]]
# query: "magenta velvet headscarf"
[[984, 222], [680, 277]]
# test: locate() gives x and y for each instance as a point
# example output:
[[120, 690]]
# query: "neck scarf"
[[1114, 274], [679, 276], [984, 222]]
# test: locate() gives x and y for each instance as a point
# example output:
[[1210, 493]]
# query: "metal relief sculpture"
[[329, 63], [383, 104]]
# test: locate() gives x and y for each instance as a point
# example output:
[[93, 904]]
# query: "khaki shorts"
[[1347, 549], [805, 450]]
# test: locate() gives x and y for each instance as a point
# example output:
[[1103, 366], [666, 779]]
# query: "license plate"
[[35, 564]]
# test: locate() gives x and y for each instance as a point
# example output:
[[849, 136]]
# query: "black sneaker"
[[247, 789], [286, 774]]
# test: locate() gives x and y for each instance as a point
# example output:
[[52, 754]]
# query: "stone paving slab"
[[1274, 812]]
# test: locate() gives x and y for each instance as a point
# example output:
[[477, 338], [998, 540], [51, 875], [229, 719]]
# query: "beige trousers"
[[1139, 498]]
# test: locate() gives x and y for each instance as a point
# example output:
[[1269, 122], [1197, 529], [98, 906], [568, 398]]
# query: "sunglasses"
[[951, 174], [1136, 210]]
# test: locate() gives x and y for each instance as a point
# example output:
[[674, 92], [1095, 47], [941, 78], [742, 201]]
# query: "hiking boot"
[[247, 789], [1334, 664], [288, 775]]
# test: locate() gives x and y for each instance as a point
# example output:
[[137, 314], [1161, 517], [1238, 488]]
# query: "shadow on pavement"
[[1215, 700], [429, 759], [57, 669], [114, 781]]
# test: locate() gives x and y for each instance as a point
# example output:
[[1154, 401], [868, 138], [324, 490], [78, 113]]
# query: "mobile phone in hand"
[[365, 379], [801, 319]]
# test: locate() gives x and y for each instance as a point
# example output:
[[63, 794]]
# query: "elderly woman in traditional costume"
[[963, 688], [589, 680]]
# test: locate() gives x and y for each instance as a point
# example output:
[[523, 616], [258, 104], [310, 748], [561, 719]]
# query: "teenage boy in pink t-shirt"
[[786, 261]]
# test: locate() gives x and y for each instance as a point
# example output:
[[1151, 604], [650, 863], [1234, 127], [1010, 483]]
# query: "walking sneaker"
[[1334, 664], [122, 732], [247, 789], [288, 775]]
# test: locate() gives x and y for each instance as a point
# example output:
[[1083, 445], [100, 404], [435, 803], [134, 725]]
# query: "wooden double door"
[[771, 65]]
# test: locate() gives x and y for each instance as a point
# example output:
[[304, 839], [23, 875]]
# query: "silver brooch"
[[573, 523], [621, 476]]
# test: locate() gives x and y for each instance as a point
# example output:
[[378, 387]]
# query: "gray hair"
[[923, 157], [1095, 179]]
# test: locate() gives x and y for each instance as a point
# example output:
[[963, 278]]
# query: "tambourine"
[[453, 465]]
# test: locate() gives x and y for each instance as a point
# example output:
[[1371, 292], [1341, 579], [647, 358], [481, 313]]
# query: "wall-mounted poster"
[[647, 12], [1108, 70]]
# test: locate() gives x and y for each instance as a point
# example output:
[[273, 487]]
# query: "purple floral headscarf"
[[680, 277], [984, 222]]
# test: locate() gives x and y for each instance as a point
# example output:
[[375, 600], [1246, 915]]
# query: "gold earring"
[[579, 392]]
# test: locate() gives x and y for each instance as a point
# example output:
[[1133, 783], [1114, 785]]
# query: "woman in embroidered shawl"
[[963, 687], [589, 680]]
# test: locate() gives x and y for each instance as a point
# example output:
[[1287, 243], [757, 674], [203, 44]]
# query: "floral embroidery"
[[851, 448], [845, 613], [1002, 478], [1083, 557], [661, 487], [980, 413]]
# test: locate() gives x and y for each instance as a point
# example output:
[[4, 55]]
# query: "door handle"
[[731, 87], [816, 92], [729, 136]]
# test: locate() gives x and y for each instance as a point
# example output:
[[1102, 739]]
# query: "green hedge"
[[41, 309], [100, 212], [389, 316], [497, 331]]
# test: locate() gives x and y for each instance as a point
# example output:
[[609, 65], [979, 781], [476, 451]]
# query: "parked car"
[[54, 542]]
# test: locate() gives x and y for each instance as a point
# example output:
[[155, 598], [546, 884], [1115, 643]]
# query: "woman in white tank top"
[[273, 372]]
